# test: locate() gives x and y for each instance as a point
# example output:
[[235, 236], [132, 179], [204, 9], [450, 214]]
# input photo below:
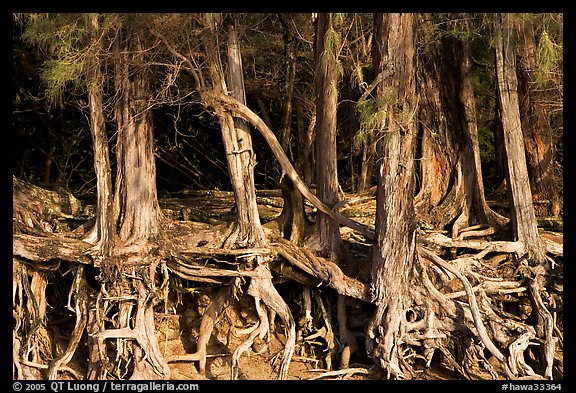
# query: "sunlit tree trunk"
[[138, 219], [238, 144], [521, 205], [451, 189], [241, 162], [103, 230], [394, 252], [136, 198]]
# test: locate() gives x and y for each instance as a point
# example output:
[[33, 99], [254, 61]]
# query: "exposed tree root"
[[485, 311], [206, 326], [261, 287], [79, 288]]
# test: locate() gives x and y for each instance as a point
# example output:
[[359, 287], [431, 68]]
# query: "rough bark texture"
[[241, 162], [326, 106], [136, 198], [395, 246], [103, 230], [539, 139], [522, 208], [451, 189], [238, 145]]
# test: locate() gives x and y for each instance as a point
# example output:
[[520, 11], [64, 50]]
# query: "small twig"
[[346, 372]]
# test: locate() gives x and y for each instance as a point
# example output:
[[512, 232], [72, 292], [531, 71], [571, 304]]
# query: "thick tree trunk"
[[136, 200], [326, 157], [438, 144], [538, 133], [451, 188], [138, 219], [394, 253]]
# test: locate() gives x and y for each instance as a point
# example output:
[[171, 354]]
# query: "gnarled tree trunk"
[[241, 162], [395, 246], [451, 190]]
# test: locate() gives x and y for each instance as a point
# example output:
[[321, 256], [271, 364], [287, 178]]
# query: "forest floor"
[[178, 325]]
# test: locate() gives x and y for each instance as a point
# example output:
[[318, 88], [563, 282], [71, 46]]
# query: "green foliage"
[[549, 57], [63, 38], [331, 42], [369, 118], [58, 75]]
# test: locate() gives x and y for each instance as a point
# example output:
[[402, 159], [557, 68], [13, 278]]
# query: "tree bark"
[[522, 208], [103, 231], [138, 214], [451, 190], [326, 157], [394, 253], [241, 162], [538, 133]]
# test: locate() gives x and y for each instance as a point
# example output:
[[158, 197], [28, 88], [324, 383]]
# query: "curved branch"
[[245, 112]]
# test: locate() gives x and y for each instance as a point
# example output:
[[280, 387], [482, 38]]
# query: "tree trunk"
[[522, 208], [538, 133], [138, 219], [241, 157], [293, 217], [326, 107], [438, 142], [241, 162], [136, 201], [394, 252], [103, 231], [451, 188]]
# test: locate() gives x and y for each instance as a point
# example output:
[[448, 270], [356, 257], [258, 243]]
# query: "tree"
[[522, 208], [395, 246], [421, 299], [451, 184], [535, 66], [524, 225], [326, 107], [103, 231]]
